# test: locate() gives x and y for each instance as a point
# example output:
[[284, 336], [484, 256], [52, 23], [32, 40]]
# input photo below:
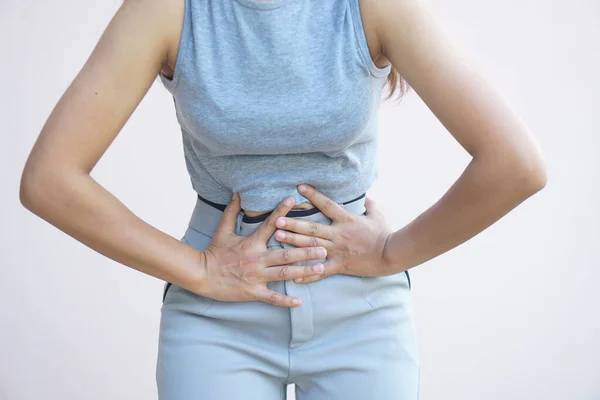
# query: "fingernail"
[[280, 222], [287, 201], [296, 301], [299, 280], [233, 196], [302, 188], [280, 235], [318, 267], [321, 252]]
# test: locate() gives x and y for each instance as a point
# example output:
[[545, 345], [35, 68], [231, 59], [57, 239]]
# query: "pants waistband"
[[297, 212], [207, 214]]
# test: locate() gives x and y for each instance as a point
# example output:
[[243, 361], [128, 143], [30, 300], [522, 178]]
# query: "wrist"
[[192, 272], [390, 260], [199, 275]]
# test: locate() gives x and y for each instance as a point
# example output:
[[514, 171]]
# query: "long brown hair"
[[396, 84]]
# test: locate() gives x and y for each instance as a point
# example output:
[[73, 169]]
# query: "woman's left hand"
[[355, 243]]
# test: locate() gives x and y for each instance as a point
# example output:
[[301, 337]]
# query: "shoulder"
[[411, 36], [164, 16]]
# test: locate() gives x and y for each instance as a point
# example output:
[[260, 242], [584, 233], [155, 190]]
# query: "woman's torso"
[[228, 81]]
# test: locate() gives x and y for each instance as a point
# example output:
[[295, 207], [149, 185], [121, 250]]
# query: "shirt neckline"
[[265, 4]]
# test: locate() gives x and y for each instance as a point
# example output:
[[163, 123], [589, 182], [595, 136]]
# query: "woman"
[[279, 285]]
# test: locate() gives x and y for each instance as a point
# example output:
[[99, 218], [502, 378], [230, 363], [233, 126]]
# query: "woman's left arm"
[[507, 165]]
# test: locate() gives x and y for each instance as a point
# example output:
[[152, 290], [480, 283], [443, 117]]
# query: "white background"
[[511, 314]]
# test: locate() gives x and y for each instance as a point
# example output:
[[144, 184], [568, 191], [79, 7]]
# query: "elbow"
[[521, 173], [30, 190], [29, 178], [40, 184], [537, 178], [530, 174], [48, 184], [25, 188]]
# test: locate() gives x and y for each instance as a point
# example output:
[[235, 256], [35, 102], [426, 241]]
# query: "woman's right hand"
[[237, 268]]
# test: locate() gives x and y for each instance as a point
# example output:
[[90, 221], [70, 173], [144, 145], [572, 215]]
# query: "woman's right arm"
[[56, 184]]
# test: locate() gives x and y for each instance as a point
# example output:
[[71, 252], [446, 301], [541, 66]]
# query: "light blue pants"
[[352, 338]]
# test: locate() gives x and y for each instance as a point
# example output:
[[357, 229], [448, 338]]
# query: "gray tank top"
[[273, 93]]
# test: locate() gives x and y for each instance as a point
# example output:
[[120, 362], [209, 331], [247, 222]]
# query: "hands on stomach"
[[237, 268]]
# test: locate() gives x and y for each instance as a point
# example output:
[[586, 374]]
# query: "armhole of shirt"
[[184, 39], [363, 47]]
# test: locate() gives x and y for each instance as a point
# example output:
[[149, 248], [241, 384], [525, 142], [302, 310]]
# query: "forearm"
[[485, 191], [77, 205]]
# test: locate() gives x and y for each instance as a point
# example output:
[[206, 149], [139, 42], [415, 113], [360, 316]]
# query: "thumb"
[[371, 206], [228, 221]]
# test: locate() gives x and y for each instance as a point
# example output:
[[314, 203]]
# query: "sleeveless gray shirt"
[[273, 93]]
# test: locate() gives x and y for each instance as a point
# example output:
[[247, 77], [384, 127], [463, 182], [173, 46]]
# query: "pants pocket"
[[165, 290], [383, 290]]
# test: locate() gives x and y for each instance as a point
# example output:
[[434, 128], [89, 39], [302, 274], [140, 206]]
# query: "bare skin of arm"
[[507, 165], [56, 183]]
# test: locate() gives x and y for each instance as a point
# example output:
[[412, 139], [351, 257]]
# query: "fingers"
[[310, 279], [228, 221], [285, 272], [329, 268], [333, 210], [267, 228], [309, 228], [292, 255], [369, 204], [300, 240], [371, 207], [278, 299]]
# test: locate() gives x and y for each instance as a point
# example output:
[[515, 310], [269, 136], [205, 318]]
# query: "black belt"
[[295, 212]]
